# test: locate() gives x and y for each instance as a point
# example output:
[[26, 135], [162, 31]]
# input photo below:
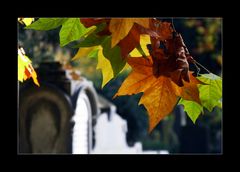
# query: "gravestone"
[[110, 135]]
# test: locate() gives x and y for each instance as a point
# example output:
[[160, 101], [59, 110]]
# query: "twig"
[[198, 69], [202, 66]]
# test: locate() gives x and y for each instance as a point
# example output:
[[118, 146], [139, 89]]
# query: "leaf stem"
[[195, 62], [198, 69]]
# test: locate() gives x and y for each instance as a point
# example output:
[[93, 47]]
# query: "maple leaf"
[[72, 29], [159, 100], [192, 109], [160, 94], [211, 92], [120, 27], [25, 69]]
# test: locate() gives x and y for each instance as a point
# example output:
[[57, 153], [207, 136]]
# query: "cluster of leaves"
[[156, 53]]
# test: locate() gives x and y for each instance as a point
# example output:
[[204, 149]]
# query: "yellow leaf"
[[21, 67], [83, 52], [144, 40], [23, 62], [26, 21], [105, 66], [25, 69]]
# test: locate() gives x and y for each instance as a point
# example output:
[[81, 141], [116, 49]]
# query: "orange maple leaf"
[[160, 94]]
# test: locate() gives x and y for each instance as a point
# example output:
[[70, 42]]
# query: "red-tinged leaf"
[[88, 22], [30, 73], [25, 69], [120, 27], [130, 41]]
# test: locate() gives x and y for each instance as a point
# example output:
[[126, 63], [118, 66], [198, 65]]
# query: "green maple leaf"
[[211, 93], [193, 109], [73, 30], [210, 96]]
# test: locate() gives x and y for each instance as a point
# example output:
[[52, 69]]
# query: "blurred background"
[[176, 133]]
